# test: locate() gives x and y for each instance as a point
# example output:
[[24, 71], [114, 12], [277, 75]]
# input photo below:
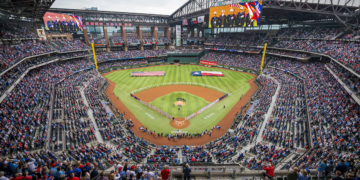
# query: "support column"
[[107, 38], [86, 35], [191, 31], [154, 34], [123, 34], [167, 32], [139, 35]]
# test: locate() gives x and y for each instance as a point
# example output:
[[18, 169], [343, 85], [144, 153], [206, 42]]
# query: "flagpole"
[[263, 57], [93, 49]]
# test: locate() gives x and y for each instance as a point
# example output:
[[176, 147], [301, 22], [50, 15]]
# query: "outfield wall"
[[189, 63]]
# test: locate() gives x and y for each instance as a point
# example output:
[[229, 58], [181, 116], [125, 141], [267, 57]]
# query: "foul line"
[[116, 86], [242, 86]]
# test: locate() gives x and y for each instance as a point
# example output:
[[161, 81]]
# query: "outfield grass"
[[234, 82], [166, 103]]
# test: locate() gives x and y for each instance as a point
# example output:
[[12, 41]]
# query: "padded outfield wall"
[[185, 58]]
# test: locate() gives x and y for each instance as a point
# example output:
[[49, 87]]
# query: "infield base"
[[179, 123]]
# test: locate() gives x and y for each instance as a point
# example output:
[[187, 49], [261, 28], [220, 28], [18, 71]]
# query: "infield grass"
[[192, 104], [234, 82]]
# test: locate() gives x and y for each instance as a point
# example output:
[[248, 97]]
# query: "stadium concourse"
[[59, 118]]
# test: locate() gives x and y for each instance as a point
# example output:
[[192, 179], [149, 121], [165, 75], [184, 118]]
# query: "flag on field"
[[148, 73], [207, 73]]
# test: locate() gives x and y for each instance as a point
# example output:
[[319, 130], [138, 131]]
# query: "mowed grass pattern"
[[166, 103], [231, 82], [234, 82]]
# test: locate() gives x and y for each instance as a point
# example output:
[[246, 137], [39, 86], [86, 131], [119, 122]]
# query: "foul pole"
[[263, 57], [93, 49]]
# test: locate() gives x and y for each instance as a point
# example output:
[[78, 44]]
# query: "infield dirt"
[[225, 123]]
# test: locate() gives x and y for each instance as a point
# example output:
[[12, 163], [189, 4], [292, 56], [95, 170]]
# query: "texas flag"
[[207, 73]]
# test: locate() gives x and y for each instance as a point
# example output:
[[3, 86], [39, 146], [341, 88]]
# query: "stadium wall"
[[183, 59]]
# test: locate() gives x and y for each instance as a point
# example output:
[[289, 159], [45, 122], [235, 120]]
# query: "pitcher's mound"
[[177, 103], [178, 124]]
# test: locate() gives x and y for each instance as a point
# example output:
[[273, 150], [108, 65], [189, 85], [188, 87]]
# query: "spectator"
[[321, 168], [130, 172], [2, 177], [148, 174], [294, 174], [304, 175], [94, 173], [102, 176], [356, 178], [337, 176], [72, 177], [269, 170], [165, 173], [329, 168], [341, 167], [85, 175], [186, 171]]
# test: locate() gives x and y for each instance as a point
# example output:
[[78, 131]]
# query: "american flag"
[[235, 5]]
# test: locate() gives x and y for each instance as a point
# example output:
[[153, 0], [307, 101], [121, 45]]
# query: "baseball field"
[[179, 100]]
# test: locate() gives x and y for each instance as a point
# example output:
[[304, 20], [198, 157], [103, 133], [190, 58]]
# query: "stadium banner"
[[178, 35], [193, 21], [41, 33], [201, 19], [142, 57], [62, 22], [244, 14], [148, 73], [117, 44], [206, 73], [208, 63], [184, 22]]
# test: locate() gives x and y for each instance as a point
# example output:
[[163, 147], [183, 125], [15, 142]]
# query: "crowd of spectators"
[[11, 54], [116, 39], [15, 31], [110, 64], [68, 45], [104, 56], [288, 53], [239, 39], [74, 54], [149, 40], [345, 52], [287, 125], [98, 40], [333, 119], [133, 40], [245, 61], [164, 40], [355, 35]]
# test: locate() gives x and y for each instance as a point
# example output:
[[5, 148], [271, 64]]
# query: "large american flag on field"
[[148, 73]]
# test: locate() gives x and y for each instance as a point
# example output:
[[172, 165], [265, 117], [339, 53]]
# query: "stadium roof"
[[34, 9], [140, 19], [64, 10], [297, 10]]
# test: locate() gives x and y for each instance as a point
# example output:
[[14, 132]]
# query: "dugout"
[[184, 57]]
